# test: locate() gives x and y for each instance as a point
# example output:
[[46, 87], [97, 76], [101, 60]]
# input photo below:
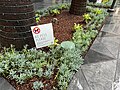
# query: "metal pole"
[[112, 6], [113, 3]]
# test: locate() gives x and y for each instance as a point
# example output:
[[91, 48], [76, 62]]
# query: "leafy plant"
[[64, 6], [68, 62], [55, 43], [37, 17], [77, 27], [54, 12], [104, 4], [97, 11], [22, 65], [68, 45], [49, 71], [38, 85], [39, 72], [105, 1], [87, 17], [83, 38], [71, 61], [55, 9]]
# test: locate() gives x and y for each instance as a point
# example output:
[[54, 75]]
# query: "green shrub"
[[87, 17], [37, 85]]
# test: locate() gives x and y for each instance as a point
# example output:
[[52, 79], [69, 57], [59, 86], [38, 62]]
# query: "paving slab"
[[100, 75], [108, 20], [78, 82], [101, 48], [110, 40], [94, 57], [116, 82], [106, 34], [4, 85], [112, 44], [102, 52], [117, 75], [116, 85], [111, 28]]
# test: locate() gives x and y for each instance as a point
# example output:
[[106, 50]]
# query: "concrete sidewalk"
[[101, 70]]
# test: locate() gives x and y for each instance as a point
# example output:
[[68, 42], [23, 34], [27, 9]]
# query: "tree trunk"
[[16, 17], [78, 7]]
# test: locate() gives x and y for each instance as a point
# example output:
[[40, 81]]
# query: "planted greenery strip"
[[82, 38], [89, 24], [65, 58], [101, 5], [45, 12]]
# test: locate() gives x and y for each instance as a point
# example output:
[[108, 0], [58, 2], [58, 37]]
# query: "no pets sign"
[[99, 1], [43, 35]]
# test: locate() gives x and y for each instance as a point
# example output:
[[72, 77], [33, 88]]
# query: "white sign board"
[[43, 35], [99, 1]]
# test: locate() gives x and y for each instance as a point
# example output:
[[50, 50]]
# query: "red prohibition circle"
[[36, 30]]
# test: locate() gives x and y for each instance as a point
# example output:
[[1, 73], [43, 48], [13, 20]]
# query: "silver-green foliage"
[[102, 5], [68, 45], [69, 61], [22, 65], [55, 9], [37, 85], [83, 38]]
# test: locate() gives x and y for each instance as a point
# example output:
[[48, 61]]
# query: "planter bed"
[[101, 5], [52, 68]]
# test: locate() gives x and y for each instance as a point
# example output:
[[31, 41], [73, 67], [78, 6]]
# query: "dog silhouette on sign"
[[36, 30]]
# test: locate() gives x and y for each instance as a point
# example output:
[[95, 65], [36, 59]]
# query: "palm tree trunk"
[[78, 7], [16, 17]]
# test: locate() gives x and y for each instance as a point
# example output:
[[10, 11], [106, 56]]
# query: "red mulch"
[[28, 84], [63, 30]]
